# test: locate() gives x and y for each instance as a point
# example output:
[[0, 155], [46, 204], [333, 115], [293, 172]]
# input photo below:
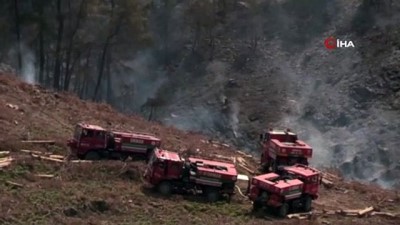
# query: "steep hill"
[[110, 192]]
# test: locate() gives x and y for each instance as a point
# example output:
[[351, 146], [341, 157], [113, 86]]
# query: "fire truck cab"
[[282, 148]]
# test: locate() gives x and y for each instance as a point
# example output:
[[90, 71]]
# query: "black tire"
[[165, 188], [283, 210], [212, 195], [257, 205], [92, 155], [307, 203]]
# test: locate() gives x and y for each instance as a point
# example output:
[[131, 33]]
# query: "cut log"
[[47, 158], [45, 175], [327, 183], [365, 211], [299, 215], [330, 176], [57, 156], [385, 214], [33, 152], [4, 162], [244, 154], [80, 161], [4, 153], [14, 184], [247, 169], [40, 142]]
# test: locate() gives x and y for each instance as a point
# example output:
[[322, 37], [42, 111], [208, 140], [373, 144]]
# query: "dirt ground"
[[112, 192]]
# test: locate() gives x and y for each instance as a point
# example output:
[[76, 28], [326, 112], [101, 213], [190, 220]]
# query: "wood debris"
[[385, 214], [40, 142], [365, 211], [45, 175], [4, 162], [327, 183], [80, 161], [244, 154], [12, 106], [246, 168], [14, 184], [34, 152], [57, 156], [47, 158], [4, 153], [300, 216]]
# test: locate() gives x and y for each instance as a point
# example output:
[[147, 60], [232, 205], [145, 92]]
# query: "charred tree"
[[18, 33], [105, 50], [58, 55], [73, 29]]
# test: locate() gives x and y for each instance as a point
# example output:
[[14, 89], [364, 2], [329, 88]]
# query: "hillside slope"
[[111, 192]]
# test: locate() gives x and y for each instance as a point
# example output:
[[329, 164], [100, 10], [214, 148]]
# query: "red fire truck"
[[93, 142], [169, 173], [282, 148], [295, 189]]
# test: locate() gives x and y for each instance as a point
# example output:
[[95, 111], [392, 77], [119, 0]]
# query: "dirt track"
[[112, 192]]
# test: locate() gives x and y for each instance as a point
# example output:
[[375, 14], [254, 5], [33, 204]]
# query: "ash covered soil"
[[112, 192], [344, 103]]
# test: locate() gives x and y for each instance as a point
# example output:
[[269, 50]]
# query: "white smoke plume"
[[28, 66]]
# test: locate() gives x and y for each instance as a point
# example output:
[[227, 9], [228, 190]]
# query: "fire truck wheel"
[[212, 195], [307, 203], [165, 188], [92, 155], [257, 205], [283, 210]]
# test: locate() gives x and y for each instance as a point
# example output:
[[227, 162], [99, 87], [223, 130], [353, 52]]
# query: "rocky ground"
[[111, 192]]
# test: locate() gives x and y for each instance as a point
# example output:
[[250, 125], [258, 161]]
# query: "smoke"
[[28, 66], [143, 76], [28, 70], [234, 118]]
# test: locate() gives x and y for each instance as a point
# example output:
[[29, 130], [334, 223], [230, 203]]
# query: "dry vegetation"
[[112, 192]]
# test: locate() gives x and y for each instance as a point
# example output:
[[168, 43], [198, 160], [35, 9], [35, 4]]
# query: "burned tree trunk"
[[18, 33], [68, 69], [57, 66]]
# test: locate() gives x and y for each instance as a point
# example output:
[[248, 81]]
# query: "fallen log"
[[4, 153], [327, 183], [47, 158], [33, 152], [385, 214], [365, 211], [57, 156], [40, 142], [45, 175], [14, 184], [80, 161], [244, 154], [299, 215], [4, 162], [329, 175], [246, 168]]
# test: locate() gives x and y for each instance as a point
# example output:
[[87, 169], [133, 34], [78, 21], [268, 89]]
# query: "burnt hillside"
[[227, 69], [40, 191]]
